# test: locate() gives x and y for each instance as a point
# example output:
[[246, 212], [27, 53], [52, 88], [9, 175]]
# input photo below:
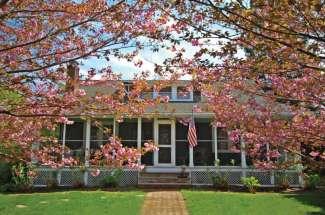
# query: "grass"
[[210, 203], [72, 202]]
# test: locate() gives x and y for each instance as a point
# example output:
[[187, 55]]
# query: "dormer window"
[[167, 91], [175, 94], [183, 93]]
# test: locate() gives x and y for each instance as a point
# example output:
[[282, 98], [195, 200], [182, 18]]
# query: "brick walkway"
[[164, 203]]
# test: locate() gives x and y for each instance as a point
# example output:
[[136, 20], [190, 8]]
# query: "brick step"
[[163, 180], [161, 175], [163, 185]]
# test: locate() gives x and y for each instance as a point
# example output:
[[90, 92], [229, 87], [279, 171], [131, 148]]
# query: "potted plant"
[[312, 181], [283, 180], [183, 171], [251, 183]]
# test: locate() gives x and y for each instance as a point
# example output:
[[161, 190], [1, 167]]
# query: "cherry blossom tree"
[[40, 44], [261, 66]]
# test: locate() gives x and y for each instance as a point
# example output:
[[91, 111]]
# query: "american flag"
[[191, 135]]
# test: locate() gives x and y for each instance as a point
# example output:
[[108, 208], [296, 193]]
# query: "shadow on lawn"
[[316, 199]]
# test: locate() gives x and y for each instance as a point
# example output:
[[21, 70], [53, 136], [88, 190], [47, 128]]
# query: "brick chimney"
[[73, 73]]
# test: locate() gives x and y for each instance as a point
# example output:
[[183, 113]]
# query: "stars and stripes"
[[191, 135]]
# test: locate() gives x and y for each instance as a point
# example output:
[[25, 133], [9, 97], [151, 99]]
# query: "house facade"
[[162, 124]]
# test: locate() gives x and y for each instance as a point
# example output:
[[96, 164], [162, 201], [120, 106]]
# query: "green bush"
[[283, 180], [20, 176], [5, 173], [51, 181], [251, 183], [220, 182], [113, 179], [9, 187], [311, 181]]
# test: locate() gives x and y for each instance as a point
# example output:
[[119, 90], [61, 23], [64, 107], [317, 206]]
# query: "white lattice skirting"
[[233, 176], [74, 177]]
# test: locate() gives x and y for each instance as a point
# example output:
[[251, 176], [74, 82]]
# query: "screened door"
[[166, 153]]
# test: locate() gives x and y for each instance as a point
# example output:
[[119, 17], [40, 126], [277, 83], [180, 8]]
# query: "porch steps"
[[165, 180]]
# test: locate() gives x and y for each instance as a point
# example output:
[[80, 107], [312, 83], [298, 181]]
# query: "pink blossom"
[[95, 173], [195, 42], [82, 92], [314, 154]]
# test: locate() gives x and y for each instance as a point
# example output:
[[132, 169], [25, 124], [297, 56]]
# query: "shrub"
[[113, 179], [220, 181], [52, 181], [21, 177], [9, 187], [283, 180], [311, 181], [251, 183], [5, 173]]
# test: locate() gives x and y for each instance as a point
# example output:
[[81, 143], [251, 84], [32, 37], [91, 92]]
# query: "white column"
[[243, 154], [173, 142], [114, 127], [155, 160], [63, 139], [191, 155], [139, 136], [267, 151], [87, 148], [215, 140]]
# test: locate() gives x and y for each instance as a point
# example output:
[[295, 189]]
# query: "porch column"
[[243, 154], [155, 125], [114, 127], [191, 156], [139, 136], [267, 151], [87, 148], [215, 140], [63, 139]]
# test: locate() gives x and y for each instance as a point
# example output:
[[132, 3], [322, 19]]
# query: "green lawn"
[[223, 203], [73, 202]]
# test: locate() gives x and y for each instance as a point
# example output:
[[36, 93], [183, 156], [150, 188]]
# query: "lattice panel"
[[201, 177], [128, 178], [232, 177], [95, 181], [263, 177], [293, 177], [71, 177], [43, 177]]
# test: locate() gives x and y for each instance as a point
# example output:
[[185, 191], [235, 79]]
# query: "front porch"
[[168, 133], [174, 155]]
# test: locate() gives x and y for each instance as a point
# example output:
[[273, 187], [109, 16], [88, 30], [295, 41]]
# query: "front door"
[[165, 156]]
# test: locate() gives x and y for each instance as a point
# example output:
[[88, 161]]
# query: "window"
[[147, 134], [128, 132], [182, 147], [203, 153], [225, 155], [183, 93], [147, 94], [74, 140], [100, 134], [167, 91]]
